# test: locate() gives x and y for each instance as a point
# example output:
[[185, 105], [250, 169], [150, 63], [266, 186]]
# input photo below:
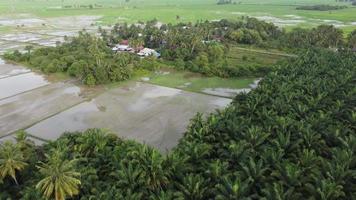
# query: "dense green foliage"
[[85, 57], [203, 47], [321, 7], [291, 138], [325, 36]]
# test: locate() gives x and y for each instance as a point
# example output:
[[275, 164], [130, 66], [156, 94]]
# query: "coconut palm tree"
[[60, 178], [11, 160]]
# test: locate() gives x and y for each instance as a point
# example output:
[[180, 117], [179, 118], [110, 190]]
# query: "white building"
[[148, 52], [120, 47]]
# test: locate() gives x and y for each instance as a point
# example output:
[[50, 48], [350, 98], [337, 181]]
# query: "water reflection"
[[20, 83]]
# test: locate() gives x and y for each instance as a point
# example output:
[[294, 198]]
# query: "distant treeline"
[[321, 7]]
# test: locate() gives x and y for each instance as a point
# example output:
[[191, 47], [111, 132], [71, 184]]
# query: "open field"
[[282, 13], [197, 83], [251, 56]]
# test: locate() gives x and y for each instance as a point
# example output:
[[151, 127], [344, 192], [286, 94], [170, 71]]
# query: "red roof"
[[124, 42]]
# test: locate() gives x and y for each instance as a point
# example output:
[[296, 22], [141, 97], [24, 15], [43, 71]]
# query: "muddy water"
[[20, 83], [147, 113], [7, 70], [229, 92], [23, 110]]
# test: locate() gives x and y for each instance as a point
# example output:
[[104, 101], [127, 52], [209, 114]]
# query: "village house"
[[124, 46], [148, 52]]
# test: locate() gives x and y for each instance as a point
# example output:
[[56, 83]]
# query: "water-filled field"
[[147, 113]]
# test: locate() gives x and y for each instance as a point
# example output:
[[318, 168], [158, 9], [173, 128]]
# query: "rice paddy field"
[[281, 12]]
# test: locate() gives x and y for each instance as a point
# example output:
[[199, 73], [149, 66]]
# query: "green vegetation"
[[85, 57], [167, 11], [321, 7], [206, 47], [195, 82], [201, 48], [291, 138]]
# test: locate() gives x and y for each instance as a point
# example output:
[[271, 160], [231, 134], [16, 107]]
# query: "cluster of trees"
[[291, 138], [321, 7], [351, 38], [324, 36], [201, 47], [86, 57]]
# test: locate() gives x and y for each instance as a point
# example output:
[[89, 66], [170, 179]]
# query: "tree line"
[[321, 7], [202, 47], [293, 137]]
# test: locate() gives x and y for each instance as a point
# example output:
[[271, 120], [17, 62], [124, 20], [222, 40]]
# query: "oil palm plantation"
[[60, 179], [11, 160]]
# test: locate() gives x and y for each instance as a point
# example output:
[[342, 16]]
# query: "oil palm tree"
[[60, 178], [11, 160]]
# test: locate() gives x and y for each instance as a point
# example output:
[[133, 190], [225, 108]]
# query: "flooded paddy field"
[[26, 30], [23, 110], [17, 84], [27, 97], [7, 70], [155, 115], [15, 79], [140, 111]]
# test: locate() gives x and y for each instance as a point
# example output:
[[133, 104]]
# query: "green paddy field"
[[281, 12]]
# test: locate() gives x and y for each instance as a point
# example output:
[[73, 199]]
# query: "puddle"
[[157, 92], [20, 83], [21, 37], [21, 21], [162, 73], [255, 83], [221, 102], [225, 92], [293, 16], [279, 21], [145, 78], [238, 13], [229, 92], [185, 85]]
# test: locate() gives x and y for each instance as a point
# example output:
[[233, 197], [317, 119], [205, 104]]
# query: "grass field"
[[247, 56], [281, 12], [197, 83]]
